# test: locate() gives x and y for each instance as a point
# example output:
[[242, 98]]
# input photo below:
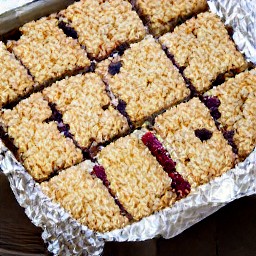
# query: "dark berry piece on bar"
[[181, 186], [158, 151], [92, 67], [69, 31], [122, 209], [100, 173], [215, 113], [229, 136], [114, 68], [121, 107], [203, 134], [211, 102]]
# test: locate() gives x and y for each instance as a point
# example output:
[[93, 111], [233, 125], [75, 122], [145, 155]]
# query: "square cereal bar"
[[15, 81], [86, 108], [145, 79], [102, 26], [85, 198], [162, 16], [41, 147], [198, 148], [47, 52], [135, 176], [203, 48], [237, 108]]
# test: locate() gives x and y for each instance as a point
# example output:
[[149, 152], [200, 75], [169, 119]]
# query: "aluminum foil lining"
[[65, 236], [241, 16]]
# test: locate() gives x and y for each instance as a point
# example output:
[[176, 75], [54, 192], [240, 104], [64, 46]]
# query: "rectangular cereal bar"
[[102, 26], [162, 16], [41, 147], [15, 81], [86, 108], [237, 110], [135, 176], [198, 148], [47, 52], [85, 198], [144, 79], [203, 48]]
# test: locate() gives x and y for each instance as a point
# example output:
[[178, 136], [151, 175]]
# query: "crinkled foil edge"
[[202, 202], [65, 236], [241, 16]]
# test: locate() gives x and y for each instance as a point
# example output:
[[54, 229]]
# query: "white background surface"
[[6, 5]]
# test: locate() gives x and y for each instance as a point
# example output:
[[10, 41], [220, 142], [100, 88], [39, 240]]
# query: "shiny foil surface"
[[65, 236], [241, 16]]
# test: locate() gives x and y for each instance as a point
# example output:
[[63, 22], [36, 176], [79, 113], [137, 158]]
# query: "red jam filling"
[[181, 186]]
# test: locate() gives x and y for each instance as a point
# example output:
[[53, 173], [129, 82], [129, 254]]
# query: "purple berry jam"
[[121, 107], [92, 67], [181, 186], [220, 79], [212, 102], [114, 68], [229, 136], [122, 209], [57, 117], [120, 49], [203, 134], [69, 31], [158, 151], [100, 173]]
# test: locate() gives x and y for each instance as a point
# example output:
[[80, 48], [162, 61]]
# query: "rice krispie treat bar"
[[15, 81], [41, 147], [144, 79], [236, 106], [203, 48], [102, 26], [47, 52], [135, 176], [162, 16], [86, 108], [85, 198], [198, 148]]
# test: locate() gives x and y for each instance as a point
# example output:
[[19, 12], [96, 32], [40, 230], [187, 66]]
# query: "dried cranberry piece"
[[114, 68], [203, 134]]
